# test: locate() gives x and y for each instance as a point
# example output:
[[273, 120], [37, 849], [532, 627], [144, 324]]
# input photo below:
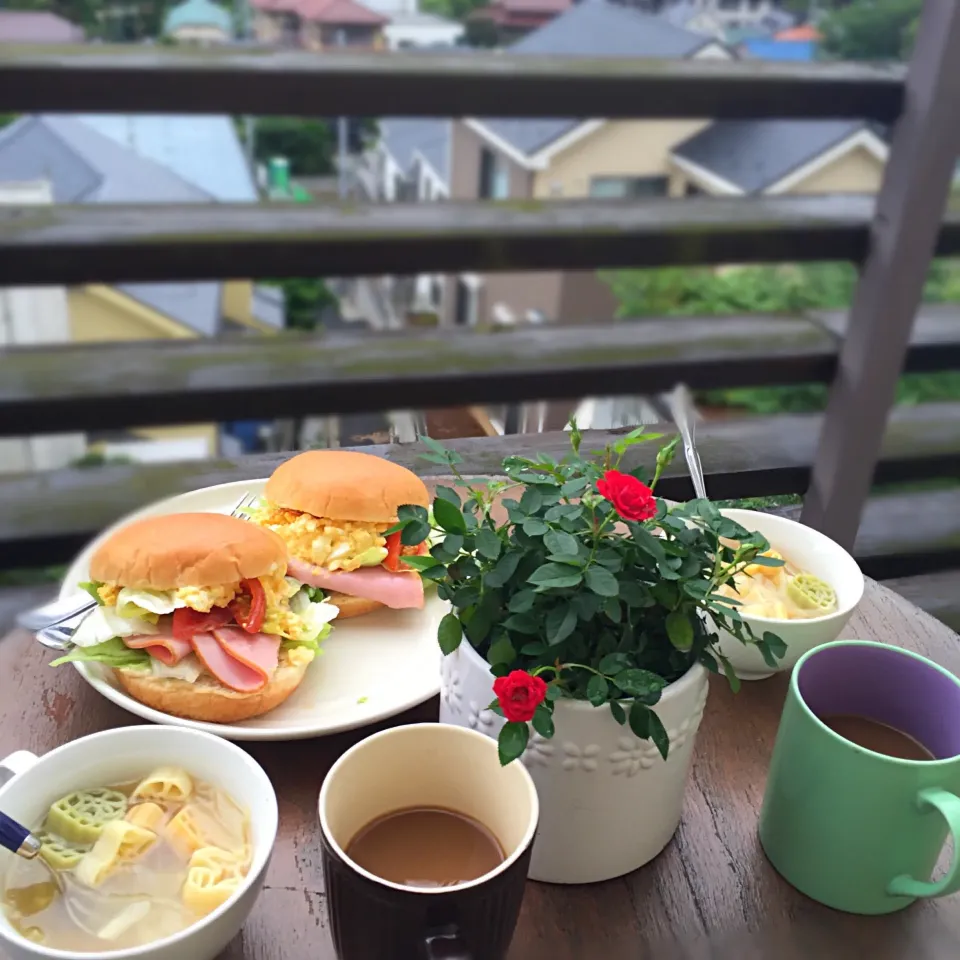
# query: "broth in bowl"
[[133, 863], [783, 592]]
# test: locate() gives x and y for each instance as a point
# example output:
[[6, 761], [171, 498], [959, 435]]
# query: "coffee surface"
[[426, 847], [878, 737]]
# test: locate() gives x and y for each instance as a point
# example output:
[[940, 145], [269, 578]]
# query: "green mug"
[[852, 828]]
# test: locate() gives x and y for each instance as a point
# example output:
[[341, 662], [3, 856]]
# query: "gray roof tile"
[[405, 136], [755, 154]]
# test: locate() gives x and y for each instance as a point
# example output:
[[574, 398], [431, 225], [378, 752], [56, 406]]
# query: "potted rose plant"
[[582, 630]]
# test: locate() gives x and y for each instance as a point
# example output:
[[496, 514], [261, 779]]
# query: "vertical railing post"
[[903, 235]]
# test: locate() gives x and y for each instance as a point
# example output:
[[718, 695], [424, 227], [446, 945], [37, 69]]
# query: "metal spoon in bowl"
[[17, 838], [684, 415]]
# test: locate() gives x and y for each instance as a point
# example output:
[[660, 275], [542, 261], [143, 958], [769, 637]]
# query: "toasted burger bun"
[[345, 485], [206, 699], [352, 606], [187, 550]]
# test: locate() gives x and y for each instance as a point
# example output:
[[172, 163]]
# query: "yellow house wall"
[[857, 172], [628, 149], [101, 314], [236, 303]]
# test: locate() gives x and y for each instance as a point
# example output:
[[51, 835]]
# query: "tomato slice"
[[392, 561], [250, 618], [187, 622]]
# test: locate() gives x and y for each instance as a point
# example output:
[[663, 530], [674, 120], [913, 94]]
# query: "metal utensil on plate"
[[54, 623], [684, 415]]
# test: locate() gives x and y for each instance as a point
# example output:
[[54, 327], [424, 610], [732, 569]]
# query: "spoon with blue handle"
[[17, 838]]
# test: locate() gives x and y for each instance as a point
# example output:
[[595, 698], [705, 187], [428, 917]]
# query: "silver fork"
[[55, 622]]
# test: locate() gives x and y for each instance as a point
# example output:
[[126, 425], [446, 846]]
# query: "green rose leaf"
[[554, 575], [543, 721], [448, 493], [525, 623], [505, 568], [414, 533], [618, 712], [560, 623], [597, 689], [776, 646], [512, 741], [522, 601], [449, 633], [560, 543], [640, 719], [501, 651], [533, 649], [601, 581], [412, 511], [533, 527], [572, 487], [659, 735], [448, 549], [448, 516], [643, 684], [531, 501], [728, 672], [680, 630], [488, 543], [420, 563], [613, 663]]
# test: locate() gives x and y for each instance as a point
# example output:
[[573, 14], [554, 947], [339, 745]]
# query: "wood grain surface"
[[710, 894]]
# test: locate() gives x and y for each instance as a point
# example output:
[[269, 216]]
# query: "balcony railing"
[[835, 458]]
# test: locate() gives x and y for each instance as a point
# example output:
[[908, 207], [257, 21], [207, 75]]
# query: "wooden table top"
[[710, 894]]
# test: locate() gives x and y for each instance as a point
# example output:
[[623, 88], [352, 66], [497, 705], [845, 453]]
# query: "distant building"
[[318, 24], [513, 19], [409, 27], [30, 26], [798, 44], [145, 160], [200, 22]]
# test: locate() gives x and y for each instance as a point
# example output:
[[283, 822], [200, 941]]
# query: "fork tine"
[[245, 501]]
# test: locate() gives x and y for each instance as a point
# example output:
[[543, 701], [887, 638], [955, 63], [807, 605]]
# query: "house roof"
[[202, 150], [29, 26], [406, 136], [83, 166], [593, 28], [198, 13], [807, 32], [755, 154], [346, 12]]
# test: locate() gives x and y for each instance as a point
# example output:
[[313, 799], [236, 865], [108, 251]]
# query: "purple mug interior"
[[888, 685]]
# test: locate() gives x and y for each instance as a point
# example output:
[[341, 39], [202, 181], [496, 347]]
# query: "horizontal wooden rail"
[[47, 517], [109, 244], [108, 386], [903, 534], [136, 80], [112, 386]]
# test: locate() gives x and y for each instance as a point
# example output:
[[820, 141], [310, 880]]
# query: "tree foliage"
[[788, 288], [871, 30]]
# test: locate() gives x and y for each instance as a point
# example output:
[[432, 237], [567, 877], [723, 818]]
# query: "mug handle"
[[948, 805], [444, 943], [16, 764]]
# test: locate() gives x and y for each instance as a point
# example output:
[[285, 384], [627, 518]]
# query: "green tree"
[[871, 30], [452, 9], [305, 299], [680, 291]]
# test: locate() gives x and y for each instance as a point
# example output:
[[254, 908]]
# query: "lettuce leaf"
[[113, 653], [91, 587], [312, 644]]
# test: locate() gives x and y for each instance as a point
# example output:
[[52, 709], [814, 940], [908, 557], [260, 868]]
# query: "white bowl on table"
[[29, 784], [812, 552]]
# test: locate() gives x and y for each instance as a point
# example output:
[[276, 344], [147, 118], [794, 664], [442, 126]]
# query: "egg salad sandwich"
[[197, 618], [333, 509]]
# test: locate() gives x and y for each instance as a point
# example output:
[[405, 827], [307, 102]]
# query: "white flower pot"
[[608, 802]]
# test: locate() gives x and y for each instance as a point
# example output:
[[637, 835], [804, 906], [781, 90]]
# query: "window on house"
[[692, 190], [625, 188], [494, 176]]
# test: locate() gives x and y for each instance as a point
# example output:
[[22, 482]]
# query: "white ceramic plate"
[[371, 668]]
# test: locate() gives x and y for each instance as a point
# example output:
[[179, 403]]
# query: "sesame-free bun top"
[[187, 550], [345, 485]]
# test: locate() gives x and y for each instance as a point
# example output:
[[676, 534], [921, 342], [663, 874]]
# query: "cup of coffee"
[[426, 842], [864, 784]]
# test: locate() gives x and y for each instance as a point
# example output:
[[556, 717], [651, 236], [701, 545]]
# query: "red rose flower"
[[632, 499], [519, 694]]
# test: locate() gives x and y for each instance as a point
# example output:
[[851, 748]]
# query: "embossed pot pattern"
[[608, 802]]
